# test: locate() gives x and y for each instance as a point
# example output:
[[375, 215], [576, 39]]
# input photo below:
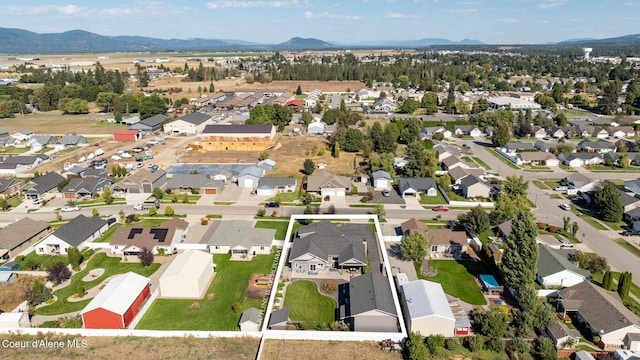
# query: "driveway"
[[398, 263], [231, 192], [393, 197]]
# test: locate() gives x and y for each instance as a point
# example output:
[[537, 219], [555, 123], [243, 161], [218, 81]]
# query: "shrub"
[[146, 256], [541, 225], [475, 343], [58, 273], [553, 229], [261, 212], [168, 211], [236, 307]]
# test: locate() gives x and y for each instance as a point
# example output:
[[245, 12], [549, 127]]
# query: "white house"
[[316, 128], [14, 320], [426, 309], [555, 270], [270, 186], [76, 232], [188, 276], [381, 180], [190, 124], [250, 320]]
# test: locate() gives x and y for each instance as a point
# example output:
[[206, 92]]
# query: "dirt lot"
[[289, 155], [109, 348], [53, 123], [11, 294], [335, 350]]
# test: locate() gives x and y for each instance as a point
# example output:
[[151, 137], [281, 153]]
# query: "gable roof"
[[447, 237], [327, 180], [602, 309], [420, 184], [414, 224], [195, 118], [155, 120], [119, 293], [426, 298], [46, 182], [250, 315], [189, 264], [88, 184], [472, 180], [274, 182], [145, 175], [79, 229], [381, 174], [578, 180], [240, 234], [252, 171], [368, 292], [16, 233], [194, 181], [550, 262], [279, 316], [324, 239], [6, 182]]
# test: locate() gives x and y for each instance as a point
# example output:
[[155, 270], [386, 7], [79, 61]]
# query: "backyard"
[[308, 305], [458, 278], [215, 310], [111, 265], [279, 226]]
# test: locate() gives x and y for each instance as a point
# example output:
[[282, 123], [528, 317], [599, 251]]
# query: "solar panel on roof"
[[159, 234], [133, 232]]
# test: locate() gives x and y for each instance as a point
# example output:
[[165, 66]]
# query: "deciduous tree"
[[58, 273], [414, 246], [145, 256]]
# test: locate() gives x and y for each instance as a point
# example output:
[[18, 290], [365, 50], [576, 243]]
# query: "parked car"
[[440, 208], [630, 232], [565, 243], [70, 208], [125, 155], [561, 188], [116, 157], [565, 207], [139, 165], [38, 201], [386, 193], [272, 204]]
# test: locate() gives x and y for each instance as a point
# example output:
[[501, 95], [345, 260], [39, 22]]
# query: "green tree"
[[308, 167], [565, 223], [185, 198], [624, 161], [434, 344], [416, 348], [336, 150], [546, 349], [168, 211], [299, 90], [95, 212], [430, 103], [4, 204], [157, 193], [107, 195], [420, 162], [624, 284], [383, 162], [519, 263], [379, 211], [306, 118], [477, 220], [574, 228], [515, 186], [153, 211], [409, 106], [501, 134], [493, 323], [74, 257], [607, 202], [414, 246], [152, 105], [505, 208], [607, 280], [354, 140]]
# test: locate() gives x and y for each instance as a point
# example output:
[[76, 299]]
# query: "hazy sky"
[[345, 21]]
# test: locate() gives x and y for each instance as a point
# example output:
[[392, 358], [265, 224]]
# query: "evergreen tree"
[[477, 220], [501, 134], [336, 150], [624, 284], [308, 167], [608, 203], [607, 280]]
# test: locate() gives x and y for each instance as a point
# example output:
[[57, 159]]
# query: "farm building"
[[427, 309], [126, 135], [117, 304], [238, 137], [188, 276]]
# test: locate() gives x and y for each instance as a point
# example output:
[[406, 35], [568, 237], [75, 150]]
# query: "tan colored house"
[[10, 187], [446, 243], [25, 231], [254, 137], [129, 241]]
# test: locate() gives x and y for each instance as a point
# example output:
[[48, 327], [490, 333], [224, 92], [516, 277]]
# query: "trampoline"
[[489, 283]]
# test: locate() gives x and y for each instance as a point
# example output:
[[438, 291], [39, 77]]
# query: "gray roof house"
[[323, 246], [561, 335], [633, 186], [239, 238], [279, 319], [266, 164], [381, 180], [190, 183], [10, 187], [371, 306], [150, 124], [555, 269], [472, 186], [41, 185], [74, 233], [328, 184], [249, 177], [142, 181], [25, 231], [415, 186], [250, 320], [79, 188], [190, 124], [274, 185], [69, 141]]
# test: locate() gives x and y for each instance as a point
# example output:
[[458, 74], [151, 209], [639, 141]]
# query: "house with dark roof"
[[555, 269], [85, 188], [279, 319], [562, 336], [368, 304], [190, 124], [69, 141], [10, 187], [323, 246], [44, 184], [194, 184], [239, 238], [473, 187], [600, 311], [21, 233], [514, 147], [381, 180], [270, 186], [129, 241], [456, 174], [446, 243], [142, 181], [614, 157], [76, 233], [150, 124], [416, 186], [327, 184], [599, 146], [39, 142]]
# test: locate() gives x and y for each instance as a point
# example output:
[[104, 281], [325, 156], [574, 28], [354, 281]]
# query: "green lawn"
[[215, 311], [458, 278], [286, 197], [191, 199], [432, 200], [502, 158], [14, 202], [629, 247], [481, 163], [589, 219], [223, 202], [308, 305], [45, 261], [279, 226], [112, 266], [484, 236]]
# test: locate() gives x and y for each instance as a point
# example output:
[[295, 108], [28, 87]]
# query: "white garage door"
[[246, 183]]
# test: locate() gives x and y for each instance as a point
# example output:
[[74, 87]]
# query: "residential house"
[[600, 311], [250, 320], [467, 130], [581, 159], [545, 146], [384, 105], [559, 132], [76, 233], [614, 157], [23, 135], [44, 184], [588, 131], [327, 184], [426, 309], [224, 176], [416, 186], [240, 239], [555, 270], [129, 241], [633, 186], [629, 202], [445, 150], [399, 162], [447, 243], [194, 184], [127, 135], [539, 132], [150, 124], [10, 187], [266, 164], [599, 146], [504, 229], [316, 128], [381, 180], [142, 181], [39, 142], [370, 307], [452, 162], [20, 234], [581, 183], [619, 132], [323, 246], [458, 173], [190, 124], [626, 120], [428, 132], [413, 225], [562, 336], [537, 158], [514, 147], [473, 187], [250, 176], [69, 141], [85, 188], [12, 168], [271, 186]]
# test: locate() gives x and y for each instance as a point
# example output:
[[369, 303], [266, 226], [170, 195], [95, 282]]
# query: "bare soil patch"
[[328, 286], [336, 350], [11, 294], [54, 123], [258, 286], [109, 348]]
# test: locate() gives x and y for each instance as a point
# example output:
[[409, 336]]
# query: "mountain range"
[[79, 41]]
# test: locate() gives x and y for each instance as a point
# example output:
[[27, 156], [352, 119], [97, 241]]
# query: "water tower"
[[585, 53]]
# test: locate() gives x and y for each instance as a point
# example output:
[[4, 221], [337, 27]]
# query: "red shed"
[[295, 104], [117, 304], [126, 135]]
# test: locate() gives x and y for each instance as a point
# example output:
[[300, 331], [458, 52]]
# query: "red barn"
[[117, 304], [126, 135]]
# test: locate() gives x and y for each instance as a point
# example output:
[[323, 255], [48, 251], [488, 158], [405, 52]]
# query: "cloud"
[[465, 11], [508, 20], [44, 10], [396, 15], [550, 4], [326, 15], [250, 4]]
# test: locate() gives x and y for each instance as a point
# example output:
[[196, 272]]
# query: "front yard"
[[308, 305], [215, 310], [432, 200], [457, 278]]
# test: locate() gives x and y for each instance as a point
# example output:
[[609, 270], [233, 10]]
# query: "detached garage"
[[117, 304], [15, 320], [126, 135], [188, 276]]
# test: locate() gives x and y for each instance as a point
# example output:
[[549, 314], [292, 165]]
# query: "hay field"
[[320, 350]]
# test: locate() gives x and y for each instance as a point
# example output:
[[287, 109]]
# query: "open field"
[[320, 350], [108, 348], [54, 123], [11, 294]]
